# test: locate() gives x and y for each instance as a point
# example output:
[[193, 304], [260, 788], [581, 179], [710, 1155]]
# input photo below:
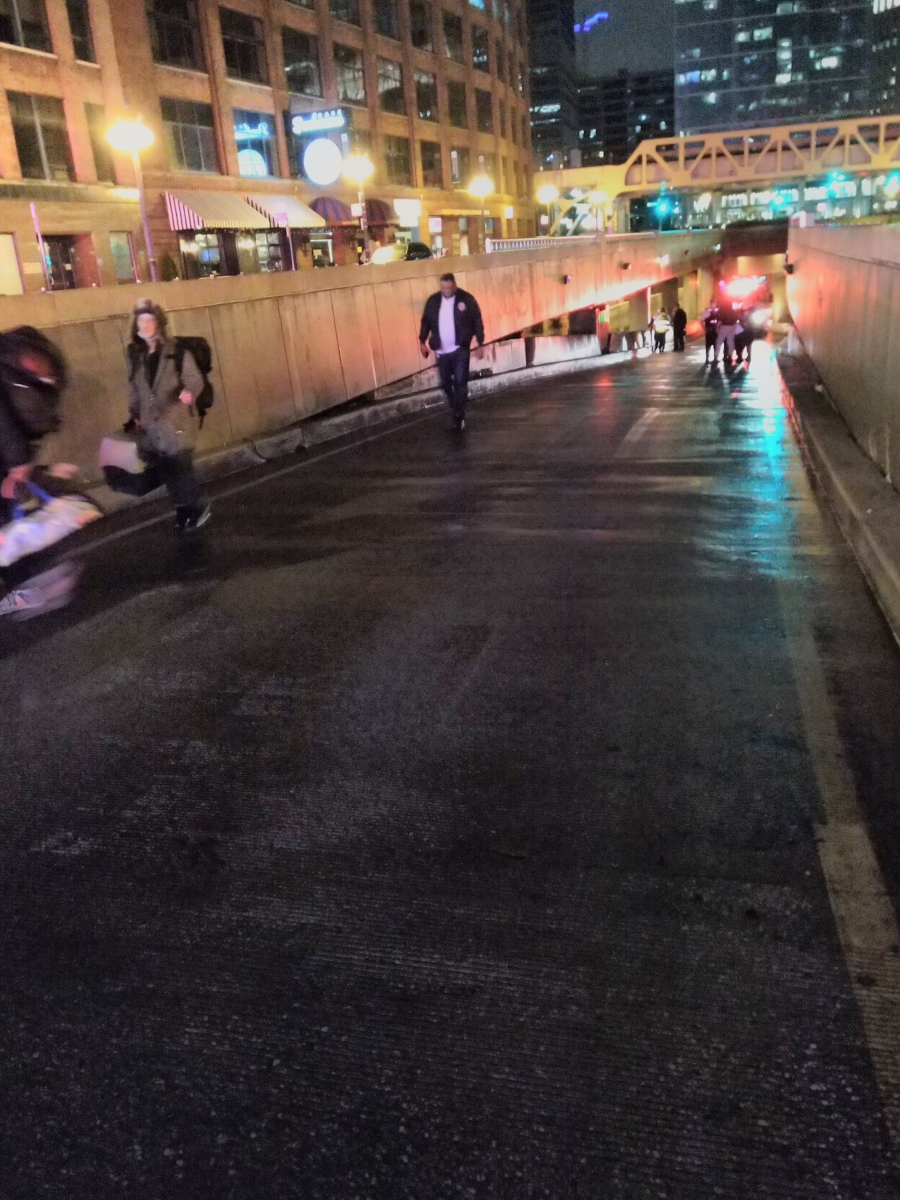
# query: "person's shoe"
[[19, 601], [195, 523]]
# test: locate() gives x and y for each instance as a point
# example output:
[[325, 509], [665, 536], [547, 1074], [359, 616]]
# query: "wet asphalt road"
[[443, 824]]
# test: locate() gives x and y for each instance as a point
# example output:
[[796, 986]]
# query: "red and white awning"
[[286, 211], [211, 210]]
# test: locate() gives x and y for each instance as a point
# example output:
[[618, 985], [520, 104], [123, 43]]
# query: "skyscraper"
[[886, 56], [554, 88], [741, 63], [619, 112]]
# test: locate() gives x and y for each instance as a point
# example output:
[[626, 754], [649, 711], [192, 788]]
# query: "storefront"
[[336, 244], [294, 224], [219, 233]]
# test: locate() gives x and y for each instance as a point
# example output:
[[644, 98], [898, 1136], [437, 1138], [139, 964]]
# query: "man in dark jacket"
[[679, 327], [450, 320]]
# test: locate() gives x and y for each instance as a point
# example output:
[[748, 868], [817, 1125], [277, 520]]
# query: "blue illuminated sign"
[[319, 122], [588, 24]]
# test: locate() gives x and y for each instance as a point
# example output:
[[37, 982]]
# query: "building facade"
[[254, 105], [617, 113], [554, 88], [744, 63], [886, 56]]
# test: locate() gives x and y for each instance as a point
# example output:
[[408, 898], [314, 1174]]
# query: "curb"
[[865, 504], [324, 428]]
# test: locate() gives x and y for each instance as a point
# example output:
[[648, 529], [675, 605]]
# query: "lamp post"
[[548, 195], [481, 187], [131, 137], [358, 168]]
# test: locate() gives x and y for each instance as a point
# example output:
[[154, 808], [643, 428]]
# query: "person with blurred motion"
[[727, 331], [710, 319], [449, 322], [33, 376], [660, 325], [679, 327], [164, 383]]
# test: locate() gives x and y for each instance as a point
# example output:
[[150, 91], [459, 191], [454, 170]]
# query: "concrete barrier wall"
[[844, 297], [290, 345]]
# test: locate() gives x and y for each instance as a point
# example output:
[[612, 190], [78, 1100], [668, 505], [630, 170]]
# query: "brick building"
[[435, 91]]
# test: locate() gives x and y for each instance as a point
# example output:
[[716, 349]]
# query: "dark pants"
[[711, 335], [453, 369], [659, 342], [176, 471], [679, 338]]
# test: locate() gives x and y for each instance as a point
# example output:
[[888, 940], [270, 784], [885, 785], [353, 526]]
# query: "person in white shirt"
[[450, 320]]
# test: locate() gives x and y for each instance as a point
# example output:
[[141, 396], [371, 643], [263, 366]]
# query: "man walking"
[[450, 320], [679, 327], [727, 332], [710, 319]]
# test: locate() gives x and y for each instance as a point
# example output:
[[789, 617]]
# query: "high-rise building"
[[886, 56], [554, 87], [742, 63], [617, 113], [254, 105]]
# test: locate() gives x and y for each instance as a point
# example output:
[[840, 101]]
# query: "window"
[[301, 62], [390, 86], [420, 25], [103, 159], [484, 111], [24, 23], [514, 129], [426, 96], [512, 72], [500, 59], [432, 166], [481, 57], [190, 135], [459, 165], [456, 103], [80, 25], [524, 131], [396, 160], [351, 80], [502, 108], [122, 250], [477, 4], [453, 37], [255, 136], [303, 3], [386, 18], [42, 140], [346, 11], [175, 33], [245, 47]]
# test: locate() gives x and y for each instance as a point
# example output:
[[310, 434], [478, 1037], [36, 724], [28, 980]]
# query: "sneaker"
[[459, 422], [192, 524], [20, 600]]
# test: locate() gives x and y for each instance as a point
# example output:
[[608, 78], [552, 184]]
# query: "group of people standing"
[[662, 323], [728, 337]]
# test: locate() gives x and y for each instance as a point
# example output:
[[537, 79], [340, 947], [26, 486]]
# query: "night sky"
[[638, 35]]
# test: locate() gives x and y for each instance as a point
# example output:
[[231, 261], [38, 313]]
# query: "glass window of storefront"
[[122, 249], [255, 136], [271, 249]]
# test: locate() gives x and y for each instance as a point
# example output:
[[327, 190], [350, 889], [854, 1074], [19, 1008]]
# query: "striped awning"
[[286, 211], [211, 210], [380, 213], [334, 211]]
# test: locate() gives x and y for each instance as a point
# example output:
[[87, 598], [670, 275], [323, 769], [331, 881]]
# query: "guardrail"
[[498, 245]]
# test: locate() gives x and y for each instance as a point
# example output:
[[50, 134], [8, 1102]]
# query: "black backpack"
[[202, 354]]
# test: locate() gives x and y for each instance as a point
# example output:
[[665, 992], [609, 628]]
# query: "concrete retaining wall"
[[844, 297], [289, 346]]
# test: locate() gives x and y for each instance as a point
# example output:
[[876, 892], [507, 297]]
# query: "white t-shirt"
[[447, 325]]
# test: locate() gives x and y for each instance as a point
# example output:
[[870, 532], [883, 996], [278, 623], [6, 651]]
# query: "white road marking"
[[863, 913], [637, 431]]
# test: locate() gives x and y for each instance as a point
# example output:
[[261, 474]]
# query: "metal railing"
[[498, 245]]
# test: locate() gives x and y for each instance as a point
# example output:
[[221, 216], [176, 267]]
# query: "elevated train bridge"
[[847, 169]]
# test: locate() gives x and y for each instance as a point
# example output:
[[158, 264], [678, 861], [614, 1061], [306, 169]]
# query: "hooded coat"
[[168, 426]]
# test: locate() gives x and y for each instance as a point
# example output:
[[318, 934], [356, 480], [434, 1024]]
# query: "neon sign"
[[319, 122], [588, 24]]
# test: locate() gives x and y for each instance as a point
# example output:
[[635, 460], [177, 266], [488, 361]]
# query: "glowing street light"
[[598, 199], [481, 187], [131, 137], [548, 195], [359, 168]]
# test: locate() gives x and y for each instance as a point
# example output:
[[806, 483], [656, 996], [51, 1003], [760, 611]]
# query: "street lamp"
[[131, 137], [481, 187], [598, 199], [548, 195], [358, 168]]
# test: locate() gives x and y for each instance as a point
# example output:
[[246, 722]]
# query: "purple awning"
[[335, 212]]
